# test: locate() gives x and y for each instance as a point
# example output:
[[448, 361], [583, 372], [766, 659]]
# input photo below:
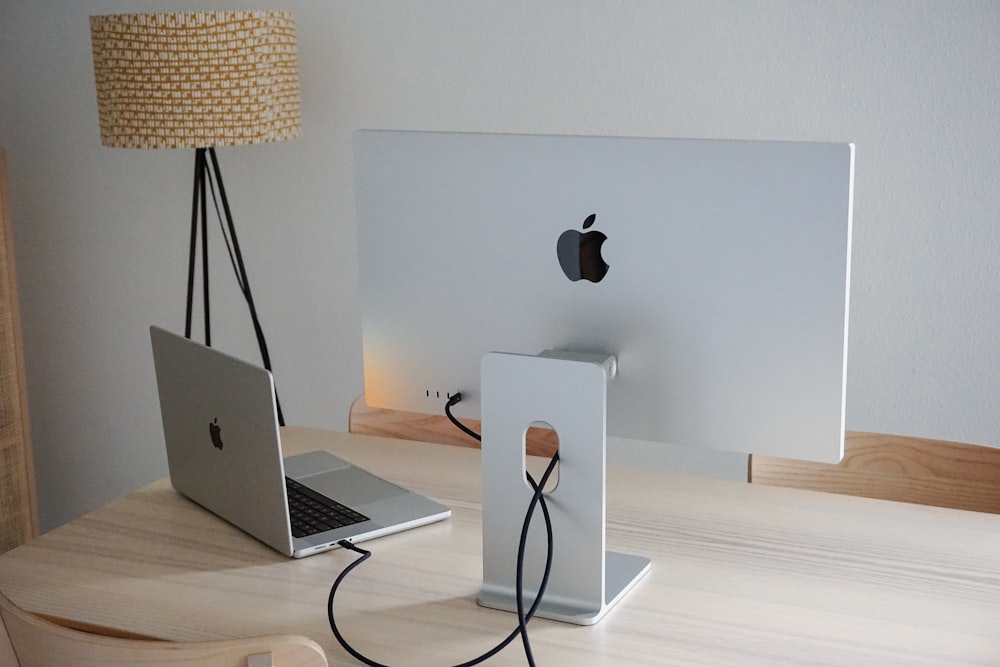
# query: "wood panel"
[[18, 513], [890, 467], [422, 427]]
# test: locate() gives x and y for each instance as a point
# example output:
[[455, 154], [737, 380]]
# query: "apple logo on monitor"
[[215, 432], [580, 253]]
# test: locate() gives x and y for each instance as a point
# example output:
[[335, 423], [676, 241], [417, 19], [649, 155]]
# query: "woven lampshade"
[[194, 80]]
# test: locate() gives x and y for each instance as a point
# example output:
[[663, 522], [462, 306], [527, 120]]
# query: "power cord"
[[236, 260], [537, 499], [453, 400], [522, 620]]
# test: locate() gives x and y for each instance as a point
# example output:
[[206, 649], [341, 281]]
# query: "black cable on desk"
[[523, 617], [537, 499]]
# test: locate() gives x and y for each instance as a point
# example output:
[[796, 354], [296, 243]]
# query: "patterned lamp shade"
[[194, 80]]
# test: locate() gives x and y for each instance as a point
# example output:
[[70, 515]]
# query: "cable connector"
[[347, 544], [452, 400]]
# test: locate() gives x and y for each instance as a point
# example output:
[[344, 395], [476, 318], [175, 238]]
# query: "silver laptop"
[[224, 453]]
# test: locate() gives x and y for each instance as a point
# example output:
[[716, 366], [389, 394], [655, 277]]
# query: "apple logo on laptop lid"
[[215, 433]]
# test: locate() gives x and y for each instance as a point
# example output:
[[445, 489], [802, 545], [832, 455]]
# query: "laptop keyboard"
[[312, 512]]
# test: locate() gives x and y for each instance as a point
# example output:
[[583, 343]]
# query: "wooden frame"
[[19, 516]]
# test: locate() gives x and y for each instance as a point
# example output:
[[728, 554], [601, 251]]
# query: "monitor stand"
[[567, 391]]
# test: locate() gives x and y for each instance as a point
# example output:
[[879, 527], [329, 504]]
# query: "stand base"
[[567, 391], [622, 573]]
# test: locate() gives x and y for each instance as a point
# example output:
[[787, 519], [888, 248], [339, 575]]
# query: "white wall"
[[101, 234]]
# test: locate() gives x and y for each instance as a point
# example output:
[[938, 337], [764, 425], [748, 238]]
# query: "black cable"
[[523, 619], [236, 259], [519, 586], [537, 499], [225, 236], [452, 400]]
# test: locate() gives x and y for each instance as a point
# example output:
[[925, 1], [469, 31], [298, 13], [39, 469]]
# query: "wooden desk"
[[742, 575]]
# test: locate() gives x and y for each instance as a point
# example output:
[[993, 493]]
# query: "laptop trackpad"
[[352, 486]]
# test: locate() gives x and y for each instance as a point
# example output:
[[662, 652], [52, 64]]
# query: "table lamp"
[[199, 80]]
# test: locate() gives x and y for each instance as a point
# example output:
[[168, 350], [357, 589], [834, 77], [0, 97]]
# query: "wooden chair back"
[[890, 467], [29, 641], [18, 512]]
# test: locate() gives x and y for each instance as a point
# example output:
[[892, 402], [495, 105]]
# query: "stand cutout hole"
[[536, 465]]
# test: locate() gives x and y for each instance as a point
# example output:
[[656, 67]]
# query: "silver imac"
[[713, 274]]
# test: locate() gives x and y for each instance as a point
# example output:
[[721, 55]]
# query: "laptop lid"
[[220, 427]]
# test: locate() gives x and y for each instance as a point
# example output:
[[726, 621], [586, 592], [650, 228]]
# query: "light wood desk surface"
[[742, 575]]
